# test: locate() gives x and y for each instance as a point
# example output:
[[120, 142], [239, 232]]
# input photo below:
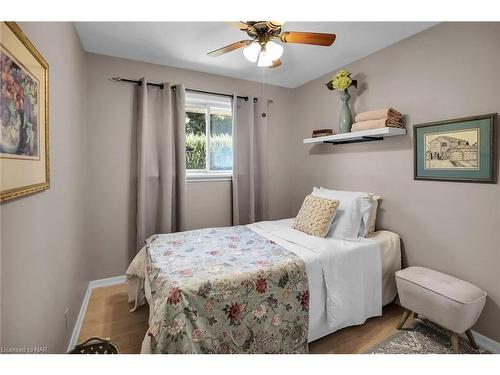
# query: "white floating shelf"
[[359, 136]]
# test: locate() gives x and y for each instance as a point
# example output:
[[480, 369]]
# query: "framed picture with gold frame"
[[24, 115]]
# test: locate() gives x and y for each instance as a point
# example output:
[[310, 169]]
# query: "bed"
[[347, 281]]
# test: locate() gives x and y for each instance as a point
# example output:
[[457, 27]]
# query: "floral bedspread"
[[226, 290]]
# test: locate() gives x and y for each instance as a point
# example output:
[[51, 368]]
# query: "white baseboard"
[[92, 285], [107, 282], [486, 343]]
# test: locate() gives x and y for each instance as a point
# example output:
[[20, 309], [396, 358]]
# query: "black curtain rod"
[[160, 85]]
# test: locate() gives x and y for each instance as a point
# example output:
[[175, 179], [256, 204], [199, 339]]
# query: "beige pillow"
[[316, 215]]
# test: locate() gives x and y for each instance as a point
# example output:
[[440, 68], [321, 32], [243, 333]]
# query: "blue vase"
[[345, 121]]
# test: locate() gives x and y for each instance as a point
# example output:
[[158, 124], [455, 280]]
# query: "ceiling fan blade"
[[275, 24], [276, 63], [229, 48], [318, 39], [239, 24]]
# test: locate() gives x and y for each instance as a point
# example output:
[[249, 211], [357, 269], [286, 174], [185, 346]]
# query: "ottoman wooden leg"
[[455, 342], [402, 321], [471, 339], [415, 315]]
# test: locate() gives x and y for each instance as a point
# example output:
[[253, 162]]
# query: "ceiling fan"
[[262, 49]]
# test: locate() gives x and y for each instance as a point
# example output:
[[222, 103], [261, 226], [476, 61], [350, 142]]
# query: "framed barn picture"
[[456, 150], [24, 115]]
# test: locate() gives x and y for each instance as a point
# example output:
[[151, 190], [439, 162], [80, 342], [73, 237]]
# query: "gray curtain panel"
[[250, 157], [161, 146]]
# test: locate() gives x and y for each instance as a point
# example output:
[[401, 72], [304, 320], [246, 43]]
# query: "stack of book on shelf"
[[322, 132], [379, 118]]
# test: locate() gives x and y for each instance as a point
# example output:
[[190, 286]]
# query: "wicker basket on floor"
[[96, 345]]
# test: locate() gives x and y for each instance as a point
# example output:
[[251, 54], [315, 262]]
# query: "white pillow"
[[352, 210], [369, 219], [372, 218]]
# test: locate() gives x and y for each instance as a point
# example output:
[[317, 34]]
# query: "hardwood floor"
[[357, 339], [108, 316]]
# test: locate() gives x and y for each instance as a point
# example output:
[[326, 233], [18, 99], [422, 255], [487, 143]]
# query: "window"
[[209, 136]]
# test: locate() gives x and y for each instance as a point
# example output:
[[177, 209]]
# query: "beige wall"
[[448, 71], [208, 204], [111, 149], [44, 263]]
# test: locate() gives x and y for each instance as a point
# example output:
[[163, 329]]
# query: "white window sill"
[[198, 177]]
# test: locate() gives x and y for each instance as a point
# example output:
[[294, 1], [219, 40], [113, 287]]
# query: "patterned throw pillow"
[[316, 215]]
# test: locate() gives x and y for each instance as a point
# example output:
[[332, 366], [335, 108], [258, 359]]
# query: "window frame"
[[207, 173]]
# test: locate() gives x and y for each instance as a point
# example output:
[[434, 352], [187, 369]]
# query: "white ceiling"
[[185, 45]]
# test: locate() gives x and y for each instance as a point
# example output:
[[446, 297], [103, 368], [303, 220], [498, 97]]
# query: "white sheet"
[[390, 252], [345, 277], [348, 280]]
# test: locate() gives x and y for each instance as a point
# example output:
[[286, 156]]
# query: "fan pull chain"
[[264, 114]]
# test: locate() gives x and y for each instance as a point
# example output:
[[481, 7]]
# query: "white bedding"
[[349, 281], [345, 277]]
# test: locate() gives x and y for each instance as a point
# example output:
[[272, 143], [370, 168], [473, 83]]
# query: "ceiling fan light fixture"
[[252, 52], [264, 59], [274, 50], [262, 49]]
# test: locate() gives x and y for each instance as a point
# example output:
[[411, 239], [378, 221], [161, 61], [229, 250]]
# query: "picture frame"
[[462, 149], [24, 115]]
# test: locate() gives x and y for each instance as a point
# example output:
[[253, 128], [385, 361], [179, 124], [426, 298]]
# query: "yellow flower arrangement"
[[341, 81]]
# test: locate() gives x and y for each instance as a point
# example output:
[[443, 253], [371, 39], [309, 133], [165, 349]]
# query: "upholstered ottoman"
[[450, 302]]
